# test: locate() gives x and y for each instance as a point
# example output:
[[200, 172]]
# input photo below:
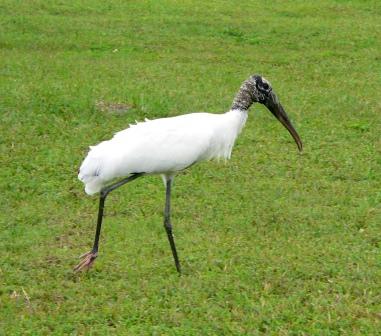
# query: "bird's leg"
[[89, 257], [167, 222]]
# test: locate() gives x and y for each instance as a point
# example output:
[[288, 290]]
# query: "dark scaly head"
[[257, 89]]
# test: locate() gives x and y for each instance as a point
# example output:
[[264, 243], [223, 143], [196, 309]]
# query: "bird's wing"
[[165, 145]]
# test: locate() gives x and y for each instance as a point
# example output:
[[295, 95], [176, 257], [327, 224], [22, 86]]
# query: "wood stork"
[[168, 145]]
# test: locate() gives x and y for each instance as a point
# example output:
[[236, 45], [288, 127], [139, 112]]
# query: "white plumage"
[[161, 146], [168, 145]]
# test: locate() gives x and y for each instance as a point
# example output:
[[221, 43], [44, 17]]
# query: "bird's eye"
[[262, 85]]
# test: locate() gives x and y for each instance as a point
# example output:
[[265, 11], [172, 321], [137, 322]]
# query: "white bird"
[[168, 145]]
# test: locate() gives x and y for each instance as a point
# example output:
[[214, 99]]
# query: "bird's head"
[[258, 89]]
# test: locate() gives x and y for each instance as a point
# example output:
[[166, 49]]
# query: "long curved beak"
[[275, 107]]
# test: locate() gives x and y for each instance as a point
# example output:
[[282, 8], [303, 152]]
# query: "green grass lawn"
[[273, 242]]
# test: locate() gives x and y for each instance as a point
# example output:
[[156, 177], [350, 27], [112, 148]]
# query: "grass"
[[272, 242]]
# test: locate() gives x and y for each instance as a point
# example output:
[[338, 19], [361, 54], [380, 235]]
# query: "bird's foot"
[[87, 261]]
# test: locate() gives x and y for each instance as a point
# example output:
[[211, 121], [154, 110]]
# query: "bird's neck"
[[227, 127], [236, 120], [244, 98]]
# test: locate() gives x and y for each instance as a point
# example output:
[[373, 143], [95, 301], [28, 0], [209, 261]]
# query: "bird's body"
[[161, 146], [168, 145]]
